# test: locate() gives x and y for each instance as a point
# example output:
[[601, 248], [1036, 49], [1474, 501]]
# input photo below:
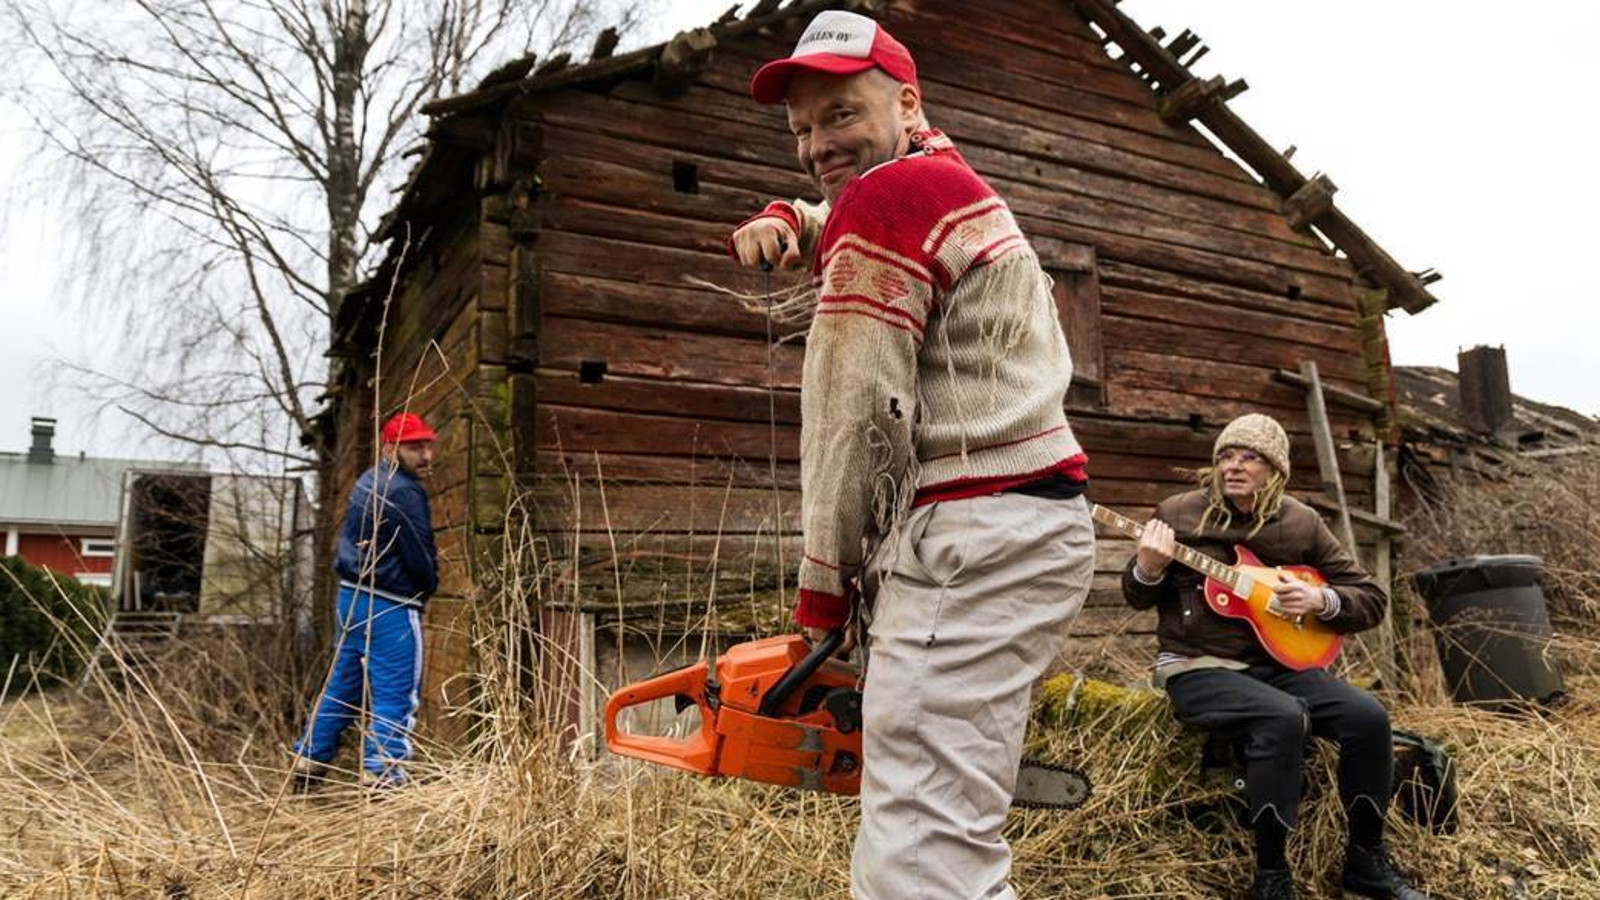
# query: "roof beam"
[[1406, 290]]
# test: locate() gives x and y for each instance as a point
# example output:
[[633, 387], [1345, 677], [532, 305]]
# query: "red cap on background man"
[[841, 43], [403, 427]]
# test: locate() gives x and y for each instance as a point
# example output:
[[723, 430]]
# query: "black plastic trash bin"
[[1491, 628]]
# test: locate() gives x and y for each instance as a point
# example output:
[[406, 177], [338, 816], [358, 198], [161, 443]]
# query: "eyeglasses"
[[1235, 454]]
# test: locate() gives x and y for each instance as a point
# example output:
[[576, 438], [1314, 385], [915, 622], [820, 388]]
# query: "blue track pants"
[[378, 646]]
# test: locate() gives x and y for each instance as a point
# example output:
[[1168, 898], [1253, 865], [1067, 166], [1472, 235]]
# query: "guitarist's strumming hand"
[[1156, 546], [1296, 598]]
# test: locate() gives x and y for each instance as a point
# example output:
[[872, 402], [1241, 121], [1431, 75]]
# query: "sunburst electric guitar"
[[1244, 591]]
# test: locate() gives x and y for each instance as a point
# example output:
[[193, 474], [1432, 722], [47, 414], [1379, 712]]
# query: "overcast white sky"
[[1457, 138]]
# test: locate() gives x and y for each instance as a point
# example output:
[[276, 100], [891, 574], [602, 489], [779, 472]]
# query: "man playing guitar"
[[1219, 677]]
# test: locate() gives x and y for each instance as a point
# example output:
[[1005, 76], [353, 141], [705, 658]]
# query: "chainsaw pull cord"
[[772, 429]]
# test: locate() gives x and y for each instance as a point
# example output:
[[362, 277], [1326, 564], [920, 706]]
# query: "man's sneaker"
[[308, 773], [1371, 872], [1272, 884]]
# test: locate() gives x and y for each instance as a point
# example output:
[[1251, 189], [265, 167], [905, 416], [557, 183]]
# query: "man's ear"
[[910, 106]]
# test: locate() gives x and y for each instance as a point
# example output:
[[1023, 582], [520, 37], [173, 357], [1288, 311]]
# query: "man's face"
[[1244, 473], [845, 124], [415, 457]]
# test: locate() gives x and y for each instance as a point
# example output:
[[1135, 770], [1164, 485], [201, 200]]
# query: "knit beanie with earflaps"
[[1260, 433]]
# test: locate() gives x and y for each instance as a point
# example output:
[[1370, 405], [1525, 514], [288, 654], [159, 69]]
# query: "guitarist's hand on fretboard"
[[1157, 544]]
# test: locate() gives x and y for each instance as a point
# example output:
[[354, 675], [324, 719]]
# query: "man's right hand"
[[767, 240], [1156, 546], [813, 635]]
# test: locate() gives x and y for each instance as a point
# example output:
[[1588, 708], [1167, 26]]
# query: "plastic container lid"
[[1469, 574]]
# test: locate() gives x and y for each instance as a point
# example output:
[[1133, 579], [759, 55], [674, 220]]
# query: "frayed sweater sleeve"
[[859, 393]]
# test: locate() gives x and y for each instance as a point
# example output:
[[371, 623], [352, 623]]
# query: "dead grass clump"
[[1549, 508]]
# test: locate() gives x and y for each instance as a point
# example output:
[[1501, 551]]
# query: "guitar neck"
[[1194, 559]]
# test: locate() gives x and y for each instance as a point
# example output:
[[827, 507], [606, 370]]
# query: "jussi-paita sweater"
[[935, 365]]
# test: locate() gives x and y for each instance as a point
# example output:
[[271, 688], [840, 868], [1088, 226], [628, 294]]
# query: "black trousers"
[[1272, 710]]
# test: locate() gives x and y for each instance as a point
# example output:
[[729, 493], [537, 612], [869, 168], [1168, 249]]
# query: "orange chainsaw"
[[783, 711]]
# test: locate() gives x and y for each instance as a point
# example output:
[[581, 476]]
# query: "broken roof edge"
[[760, 16], [1408, 290], [1429, 404]]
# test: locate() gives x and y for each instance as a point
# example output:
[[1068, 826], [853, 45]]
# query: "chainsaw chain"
[[1088, 787]]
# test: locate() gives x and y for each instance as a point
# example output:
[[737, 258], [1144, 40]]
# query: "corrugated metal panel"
[[68, 491]]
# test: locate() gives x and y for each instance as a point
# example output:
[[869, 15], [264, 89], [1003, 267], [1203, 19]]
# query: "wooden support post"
[[1380, 646], [1327, 455], [1333, 394], [605, 44], [1182, 43], [1383, 570], [1310, 202], [1194, 96]]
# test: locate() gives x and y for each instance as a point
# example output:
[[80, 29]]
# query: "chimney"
[[1485, 389], [43, 430]]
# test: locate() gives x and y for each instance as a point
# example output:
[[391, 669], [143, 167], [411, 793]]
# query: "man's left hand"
[[1296, 598]]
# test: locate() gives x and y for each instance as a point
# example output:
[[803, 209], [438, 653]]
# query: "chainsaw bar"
[[1041, 785]]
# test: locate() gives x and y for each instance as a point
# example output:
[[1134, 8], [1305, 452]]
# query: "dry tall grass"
[[169, 780], [1549, 508]]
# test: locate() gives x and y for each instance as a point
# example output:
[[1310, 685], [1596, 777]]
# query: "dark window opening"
[[1293, 293], [591, 371], [685, 178], [1196, 421]]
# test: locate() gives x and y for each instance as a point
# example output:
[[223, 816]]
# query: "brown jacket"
[[1296, 536]]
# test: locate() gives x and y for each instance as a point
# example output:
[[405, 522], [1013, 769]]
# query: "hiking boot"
[[1371, 872], [308, 773], [1272, 884]]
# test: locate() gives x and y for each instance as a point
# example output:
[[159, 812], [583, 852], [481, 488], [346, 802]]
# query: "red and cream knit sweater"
[[935, 367]]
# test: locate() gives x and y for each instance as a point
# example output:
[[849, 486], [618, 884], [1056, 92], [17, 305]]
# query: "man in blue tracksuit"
[[387, 568]]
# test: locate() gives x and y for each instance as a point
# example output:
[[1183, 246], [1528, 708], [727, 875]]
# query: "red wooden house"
[[60, 512]]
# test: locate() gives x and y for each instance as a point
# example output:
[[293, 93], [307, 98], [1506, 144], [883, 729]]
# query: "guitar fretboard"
[[1194, 559]]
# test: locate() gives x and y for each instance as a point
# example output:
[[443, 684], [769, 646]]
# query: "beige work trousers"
[[971, 599]]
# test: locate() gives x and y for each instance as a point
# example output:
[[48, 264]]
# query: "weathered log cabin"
[[551, 303]]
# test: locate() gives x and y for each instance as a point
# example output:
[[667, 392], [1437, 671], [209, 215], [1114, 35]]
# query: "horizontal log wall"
[[659, 402]]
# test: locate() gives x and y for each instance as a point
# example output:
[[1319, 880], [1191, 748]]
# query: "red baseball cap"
[[404, 427], [842, 43]]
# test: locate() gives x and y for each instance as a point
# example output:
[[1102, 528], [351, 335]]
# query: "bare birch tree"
[[228, 161]]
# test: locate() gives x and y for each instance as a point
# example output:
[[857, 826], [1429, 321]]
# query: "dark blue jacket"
[[386, 540]]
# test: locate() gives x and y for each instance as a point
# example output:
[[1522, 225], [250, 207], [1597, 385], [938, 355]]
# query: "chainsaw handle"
[[695, 753], [800, 672]]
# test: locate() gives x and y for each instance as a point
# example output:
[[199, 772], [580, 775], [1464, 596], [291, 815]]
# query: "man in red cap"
[[387, 569], [939, 477]]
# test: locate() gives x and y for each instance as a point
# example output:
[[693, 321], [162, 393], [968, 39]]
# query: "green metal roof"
[[70, 490]]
